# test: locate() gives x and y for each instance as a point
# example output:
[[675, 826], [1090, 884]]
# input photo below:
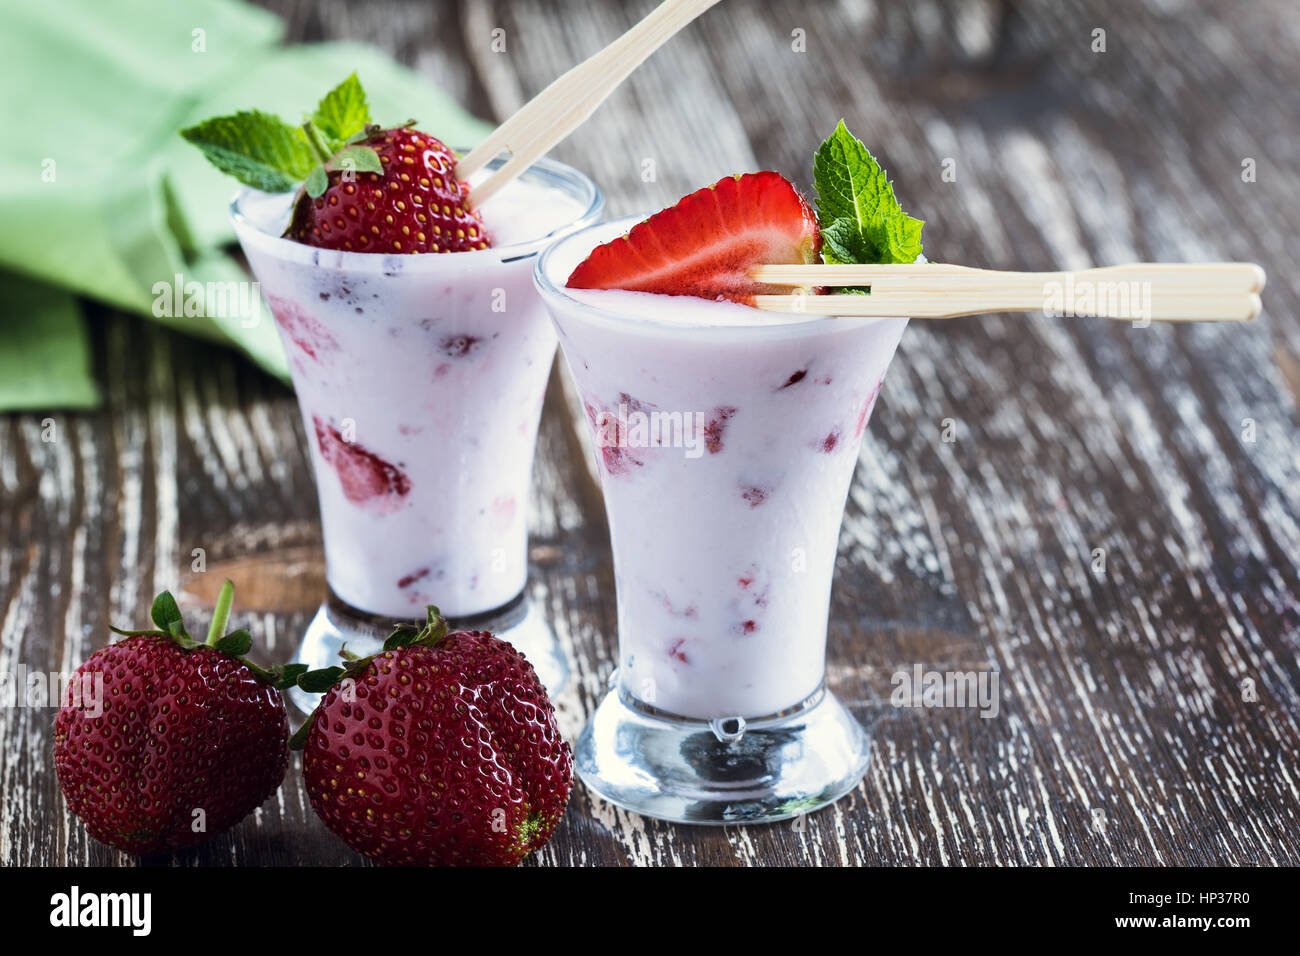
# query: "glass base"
[[338, 623], [723, 771]]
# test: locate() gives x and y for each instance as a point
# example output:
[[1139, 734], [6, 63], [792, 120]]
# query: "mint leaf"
[[843, 242], [903, 235], [343, 112], [850, 183], [267, 153], [898, 239], [860, 216], [258, 149]]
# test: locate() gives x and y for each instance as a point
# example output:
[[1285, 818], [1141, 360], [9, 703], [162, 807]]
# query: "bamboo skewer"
[[1163, 292], [563, 106]]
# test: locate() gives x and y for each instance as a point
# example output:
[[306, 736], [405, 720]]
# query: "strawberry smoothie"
[[726, 440], [723, 553], [420, 380]]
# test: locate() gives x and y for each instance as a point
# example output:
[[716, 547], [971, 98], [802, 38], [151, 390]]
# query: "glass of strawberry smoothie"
[[420, 379], [726, 439]]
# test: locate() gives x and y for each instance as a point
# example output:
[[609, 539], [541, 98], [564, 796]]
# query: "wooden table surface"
[[1149, 709]]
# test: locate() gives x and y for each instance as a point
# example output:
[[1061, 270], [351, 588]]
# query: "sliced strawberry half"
[[706, 244]]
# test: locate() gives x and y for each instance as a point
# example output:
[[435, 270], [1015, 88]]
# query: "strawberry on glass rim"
[[412, 202], [708, 242], [360, 187]]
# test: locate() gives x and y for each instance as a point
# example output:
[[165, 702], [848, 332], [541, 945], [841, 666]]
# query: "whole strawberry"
[[416, 204], [441, 750], [360, 187], [162, 742]]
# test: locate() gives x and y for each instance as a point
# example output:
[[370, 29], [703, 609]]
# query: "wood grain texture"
[[1173, 450]]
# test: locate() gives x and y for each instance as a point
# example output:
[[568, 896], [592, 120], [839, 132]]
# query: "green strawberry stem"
[[222, 613], [317, 142]]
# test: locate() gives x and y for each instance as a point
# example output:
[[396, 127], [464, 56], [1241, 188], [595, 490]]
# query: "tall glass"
[[724, 519], [420, 379]]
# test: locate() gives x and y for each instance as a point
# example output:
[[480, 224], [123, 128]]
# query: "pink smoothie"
[[420, 379], [724, 539]]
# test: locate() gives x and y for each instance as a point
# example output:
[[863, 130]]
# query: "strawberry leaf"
[[167, 615], [150, 632], [343, 112], [258, 149], [287, 676], [319, 681], [236, 643], [402, 635], [434, 630]]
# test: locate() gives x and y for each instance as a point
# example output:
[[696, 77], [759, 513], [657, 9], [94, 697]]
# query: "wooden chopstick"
[[563, 106], [1162, 292]]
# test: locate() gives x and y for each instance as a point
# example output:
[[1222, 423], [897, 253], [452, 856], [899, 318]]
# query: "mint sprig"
[[263, 151], [860, 217]]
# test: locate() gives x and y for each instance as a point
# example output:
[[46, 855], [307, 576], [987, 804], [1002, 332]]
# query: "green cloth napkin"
[[102, 199]]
